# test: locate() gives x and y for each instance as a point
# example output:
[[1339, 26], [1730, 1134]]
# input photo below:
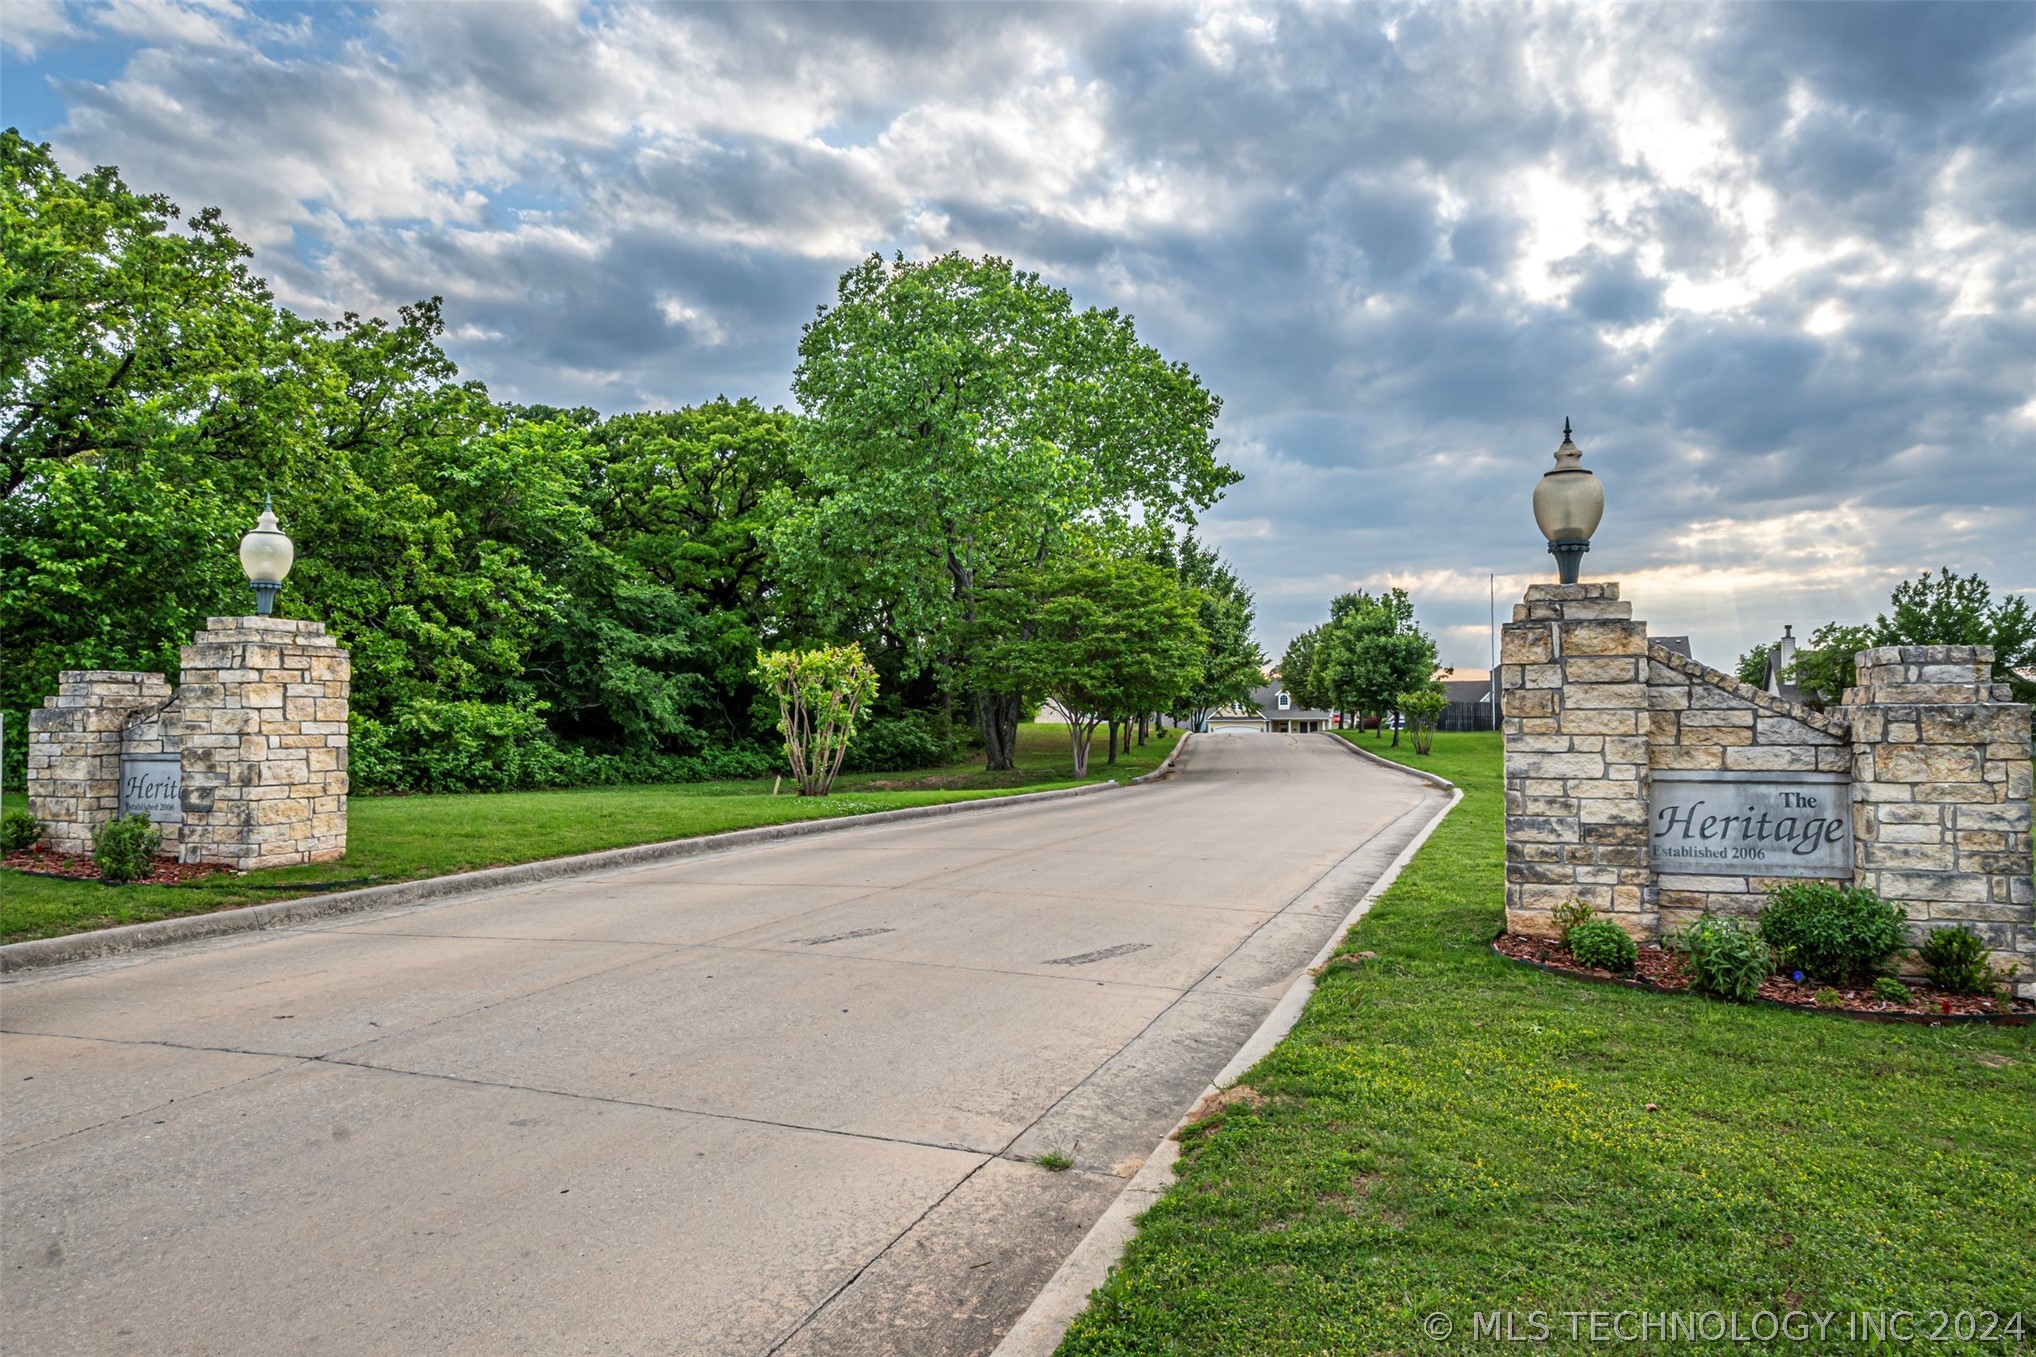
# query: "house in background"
[[1272, 709], [1780, 657]]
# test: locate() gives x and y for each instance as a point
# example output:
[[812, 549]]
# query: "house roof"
[[1267, 701]]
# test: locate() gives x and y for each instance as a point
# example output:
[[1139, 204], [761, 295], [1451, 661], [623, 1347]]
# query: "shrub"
[[1727, 958], [1602, 943], [1840, 934], [1891, 990], [1957, 961], [1827, 997], [125, 849], [1568, 916], [20, 830], [897, 744]]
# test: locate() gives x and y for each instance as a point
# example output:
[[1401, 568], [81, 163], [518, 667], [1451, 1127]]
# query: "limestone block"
[[1678, 757], [1631, 696], [1772, 758], [1526, 643], [1602, 721], [1714, 735], [1536, 765], [1600, 669], [1603, 638]]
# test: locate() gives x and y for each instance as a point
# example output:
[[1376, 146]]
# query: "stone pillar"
[[74, 750], [1941, 786], [264, 737], [1573, 685]]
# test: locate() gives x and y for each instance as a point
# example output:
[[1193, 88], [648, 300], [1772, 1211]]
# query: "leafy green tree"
[[1101, 638], [1948, 610], [966, 422], [1301, 674], [1941, 609], [1752, 666], [1823, 669], [1233, 665], [1373, 651]]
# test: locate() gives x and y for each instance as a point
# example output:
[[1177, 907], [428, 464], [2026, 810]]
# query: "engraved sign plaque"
[[1750, 824], [152, 785]]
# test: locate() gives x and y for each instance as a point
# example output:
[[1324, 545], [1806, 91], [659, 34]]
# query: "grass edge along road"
[[1445, 1132], [403, 838]]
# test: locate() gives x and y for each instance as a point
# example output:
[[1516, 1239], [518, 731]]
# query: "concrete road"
[[773, 1100]]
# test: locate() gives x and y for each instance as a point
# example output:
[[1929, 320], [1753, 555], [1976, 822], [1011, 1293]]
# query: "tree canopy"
[[535, 595], [965, 421]]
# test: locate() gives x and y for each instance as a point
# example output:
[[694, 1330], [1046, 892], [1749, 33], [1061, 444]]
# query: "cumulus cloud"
[[1778, 263]]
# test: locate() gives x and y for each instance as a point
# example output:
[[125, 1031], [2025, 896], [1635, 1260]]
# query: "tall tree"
[[1232, 665], [965, 421], [1101, 638]]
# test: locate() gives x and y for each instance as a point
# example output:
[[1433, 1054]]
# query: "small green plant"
[[1838, 934], [1602, 943], [1827, 998], [1957, 960], [1422, 708], [125, 849], [1568, 916], [1891, 990], [1054, 1161], [1728, 958], [20, 830], [821, 693]]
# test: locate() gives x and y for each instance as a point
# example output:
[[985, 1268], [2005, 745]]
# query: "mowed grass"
[[1446, 1131], [395, 838]]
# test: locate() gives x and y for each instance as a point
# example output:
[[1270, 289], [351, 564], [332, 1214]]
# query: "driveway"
[[778, 1099]]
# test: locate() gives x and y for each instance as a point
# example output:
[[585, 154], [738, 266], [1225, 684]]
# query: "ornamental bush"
[[1568, 916], [125, 849], [1957, 961], [1891, 990], [20, 830], [1602, 943], [820, 694], [1839, 934], [1727, 958]]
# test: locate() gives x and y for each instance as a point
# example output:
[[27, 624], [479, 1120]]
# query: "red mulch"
[[80, 867], [1670, 971]]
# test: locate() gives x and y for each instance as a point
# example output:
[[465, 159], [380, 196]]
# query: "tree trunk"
[[1113, 742], [1142, 718], [997, 716], [1078, 744]]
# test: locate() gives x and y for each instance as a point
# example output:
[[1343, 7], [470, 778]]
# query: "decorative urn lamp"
[[1568, 502], [266, 555]]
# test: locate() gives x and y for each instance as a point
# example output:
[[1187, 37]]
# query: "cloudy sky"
[[1778, 264]]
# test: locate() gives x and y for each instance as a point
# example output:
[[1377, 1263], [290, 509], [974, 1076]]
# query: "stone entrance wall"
[[259, 728], [1938, 760]]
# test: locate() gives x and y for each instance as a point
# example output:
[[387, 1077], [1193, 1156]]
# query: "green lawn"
[[1448, 1131], [393, 838]]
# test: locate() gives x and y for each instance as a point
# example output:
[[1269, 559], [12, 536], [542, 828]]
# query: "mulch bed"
[[1658, 969], [40, 861]]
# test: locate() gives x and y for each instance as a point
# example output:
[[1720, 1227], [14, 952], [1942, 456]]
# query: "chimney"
[[1787, 656]]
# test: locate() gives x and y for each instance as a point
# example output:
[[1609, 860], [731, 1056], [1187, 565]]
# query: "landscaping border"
[[1039, 1330], [38, 953], [1857, 1015]]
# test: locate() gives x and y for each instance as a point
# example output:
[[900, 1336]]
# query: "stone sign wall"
[[1656, 789], [244, 765]]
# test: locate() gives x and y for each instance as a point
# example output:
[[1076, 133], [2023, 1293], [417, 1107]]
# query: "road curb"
[[40, 953], [1369, 757], [1166, 765], [1045, 1322]]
